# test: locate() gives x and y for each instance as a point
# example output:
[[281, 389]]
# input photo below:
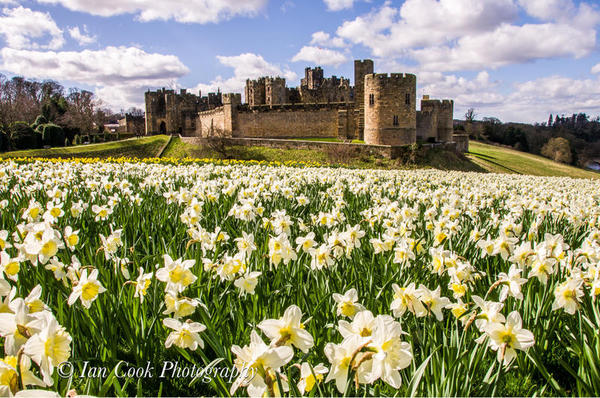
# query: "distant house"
[[593, 164], [111, 127], [132, 124]]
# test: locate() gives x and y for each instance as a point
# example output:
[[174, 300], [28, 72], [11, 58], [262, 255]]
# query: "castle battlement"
[[380, 108]]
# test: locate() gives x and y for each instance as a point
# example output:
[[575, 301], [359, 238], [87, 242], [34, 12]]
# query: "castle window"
[[407, 99], [396, 122], [371, 99]]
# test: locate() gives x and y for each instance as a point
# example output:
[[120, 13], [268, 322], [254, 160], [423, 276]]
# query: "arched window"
[[396, 122], [371, 99], [407, 99]]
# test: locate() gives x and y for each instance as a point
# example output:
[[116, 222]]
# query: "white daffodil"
[[310, 376], [50, 347], [511, 283], [433, 301], [257, 362], [391, 353], [87, 289], [177, 274], [348, 305], [288, 330], [508, 337], [407, 298], [568, 295], [185, 334], [247, 282], [342, 358], [142, 284]]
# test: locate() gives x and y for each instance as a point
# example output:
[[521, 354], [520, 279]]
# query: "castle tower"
[[435, 120], [255, 92], [446, 121], [275, 91], [361, 69], [389, 109], [230, 104]]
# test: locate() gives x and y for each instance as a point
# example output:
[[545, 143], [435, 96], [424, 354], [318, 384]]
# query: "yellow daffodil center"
[[348, 309], [89, 291]]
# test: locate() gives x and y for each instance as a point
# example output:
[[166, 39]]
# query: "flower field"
[[160, 279]]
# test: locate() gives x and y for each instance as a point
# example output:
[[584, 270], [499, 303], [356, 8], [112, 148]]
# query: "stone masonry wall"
[[282, 123], [211, 121]]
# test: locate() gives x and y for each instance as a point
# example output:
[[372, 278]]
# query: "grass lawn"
[[331, 139], [434, 159], [134, 147], [498, 159]]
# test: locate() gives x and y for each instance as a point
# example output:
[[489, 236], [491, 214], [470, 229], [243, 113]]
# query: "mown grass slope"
[[498, 159], [135, 147]]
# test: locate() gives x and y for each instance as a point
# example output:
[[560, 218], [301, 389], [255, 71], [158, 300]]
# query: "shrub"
[[67, 143], [53, 135], [24, 137], [77, 140], [40, 120], [3, 141], [558, 149]]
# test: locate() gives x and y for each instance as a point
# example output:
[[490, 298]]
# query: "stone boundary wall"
[[387, 151], [212, 120], [304, 122]]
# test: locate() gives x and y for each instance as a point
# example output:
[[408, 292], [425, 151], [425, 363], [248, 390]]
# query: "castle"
[[380, 109]]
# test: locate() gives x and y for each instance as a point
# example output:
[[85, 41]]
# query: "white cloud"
[[389, 31], [448, 35], [320, 56], [509, 44], [596, 69], [245, 66], [84, 38], [187, 11], [324, 39], [118, 73], [23, 28], [337, 5]]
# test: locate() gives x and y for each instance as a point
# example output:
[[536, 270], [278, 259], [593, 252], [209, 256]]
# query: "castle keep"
[[381, 109]]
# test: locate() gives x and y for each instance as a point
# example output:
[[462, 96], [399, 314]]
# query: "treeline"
[[34, 114], [568, 139]]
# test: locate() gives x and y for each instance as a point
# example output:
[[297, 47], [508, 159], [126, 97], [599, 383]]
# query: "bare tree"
[[470, 115]]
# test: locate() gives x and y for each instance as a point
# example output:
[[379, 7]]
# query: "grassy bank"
[[134, 147], [498, 159]]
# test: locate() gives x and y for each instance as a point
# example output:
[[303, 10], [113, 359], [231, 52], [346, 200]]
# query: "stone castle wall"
[[390, 111], [301, 122], [212, 122]]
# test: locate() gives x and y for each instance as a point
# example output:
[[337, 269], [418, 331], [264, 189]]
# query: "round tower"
[[390, 111], [361, 69], [446, 121]]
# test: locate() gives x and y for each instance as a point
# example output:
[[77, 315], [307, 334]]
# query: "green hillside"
[[498, 159], [481, 157], [145, 147]]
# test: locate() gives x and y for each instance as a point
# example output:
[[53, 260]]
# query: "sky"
[[516, 60]]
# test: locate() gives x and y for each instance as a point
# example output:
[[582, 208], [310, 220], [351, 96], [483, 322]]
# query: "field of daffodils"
[[162, 279]]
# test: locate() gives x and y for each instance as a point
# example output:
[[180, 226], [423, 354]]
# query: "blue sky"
[[517, 60]]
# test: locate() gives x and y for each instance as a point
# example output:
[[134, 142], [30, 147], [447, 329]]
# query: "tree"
[[80, 112], [470, 115], [136, 112], [558, 149]]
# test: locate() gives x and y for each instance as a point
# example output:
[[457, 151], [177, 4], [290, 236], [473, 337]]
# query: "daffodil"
[[247, 282], [288, 330], [310, 376], [142, 284], [508, 337], [50, 347], [177, 274], [87, 289], [567, 295], [347, 304], [185, 334]]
